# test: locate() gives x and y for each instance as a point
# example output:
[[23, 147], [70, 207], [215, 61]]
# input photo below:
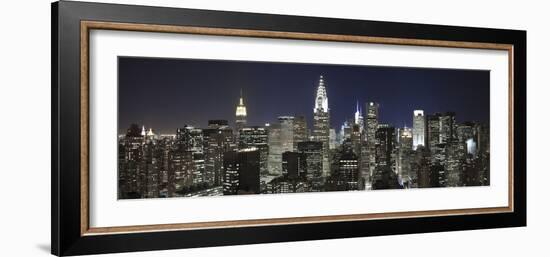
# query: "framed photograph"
[[178, 128]]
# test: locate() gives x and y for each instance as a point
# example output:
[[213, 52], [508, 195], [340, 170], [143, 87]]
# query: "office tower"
[[321, 123], [241, 172], [252, 136], [190, 153], [441, 128], [217, 139], [274, 160], [332, 139], [240, 114], [287, 133], [256, 137], [190, 138], [447, 127], [434, 130], [166, 176], [348, 170], [182, 166], [385, 145], [421, 166], [405, 137], [404, 157], [483, 140], [358, 118], [371, 126], [231, 167], [217, 123], [313, 153], [419, 129], [364, 171], [300, 131], [384, 176], [294, 165], [356, 138], [455, 153], [129, 159], [345, 131], [149, 176], [466, 133]]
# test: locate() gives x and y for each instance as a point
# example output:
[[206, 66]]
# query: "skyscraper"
[[419, 128], [241, 172], [371, 126], [433, 132], [404, 158], [313, 153], [129, 160], [240, 114], [187, 157], [321, 123], [287, 133], [256, 137], [358, 117], [217, 139], [348, 170], [274, 159], [294, 164], [300, 131], [447, 127], [385, 144]]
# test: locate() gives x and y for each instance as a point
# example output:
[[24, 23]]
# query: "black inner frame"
[[65, 165]]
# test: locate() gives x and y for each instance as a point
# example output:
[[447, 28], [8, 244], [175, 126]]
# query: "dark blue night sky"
[[166, 94]]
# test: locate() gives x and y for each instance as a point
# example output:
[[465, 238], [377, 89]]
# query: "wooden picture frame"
[[71, 25]]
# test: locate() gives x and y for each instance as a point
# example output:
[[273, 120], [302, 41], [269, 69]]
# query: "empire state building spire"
[[240, 114], [321, 98]]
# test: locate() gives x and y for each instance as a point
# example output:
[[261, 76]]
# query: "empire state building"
[[240, 114], [321, 123]]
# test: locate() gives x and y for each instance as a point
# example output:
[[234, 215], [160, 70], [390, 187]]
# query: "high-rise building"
[[274, 159], [404, 158], [190, 138], [385, 145], [240, 114], [348, 170], [455, 160], [217, 139], [287, 133], [356, 138], [241, 172], [300, 131], [129, 160], [419, 129], [321, 123], [332, 143], [371, 126], [294, 165], [313, 153], [358, 118], [466, 133], [190, 153], [345, 131], [447, 127], [433, 126], [256, 137]]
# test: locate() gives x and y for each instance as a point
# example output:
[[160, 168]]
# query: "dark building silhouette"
[[294, 165], [241, 172]]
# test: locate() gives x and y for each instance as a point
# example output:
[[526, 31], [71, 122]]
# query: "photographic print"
[[192, 127]]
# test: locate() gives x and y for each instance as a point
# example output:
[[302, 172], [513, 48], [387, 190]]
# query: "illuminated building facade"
[[321, 123], [419, 129]]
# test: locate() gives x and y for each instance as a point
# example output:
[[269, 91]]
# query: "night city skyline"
[[156, 92], [192, 128]]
